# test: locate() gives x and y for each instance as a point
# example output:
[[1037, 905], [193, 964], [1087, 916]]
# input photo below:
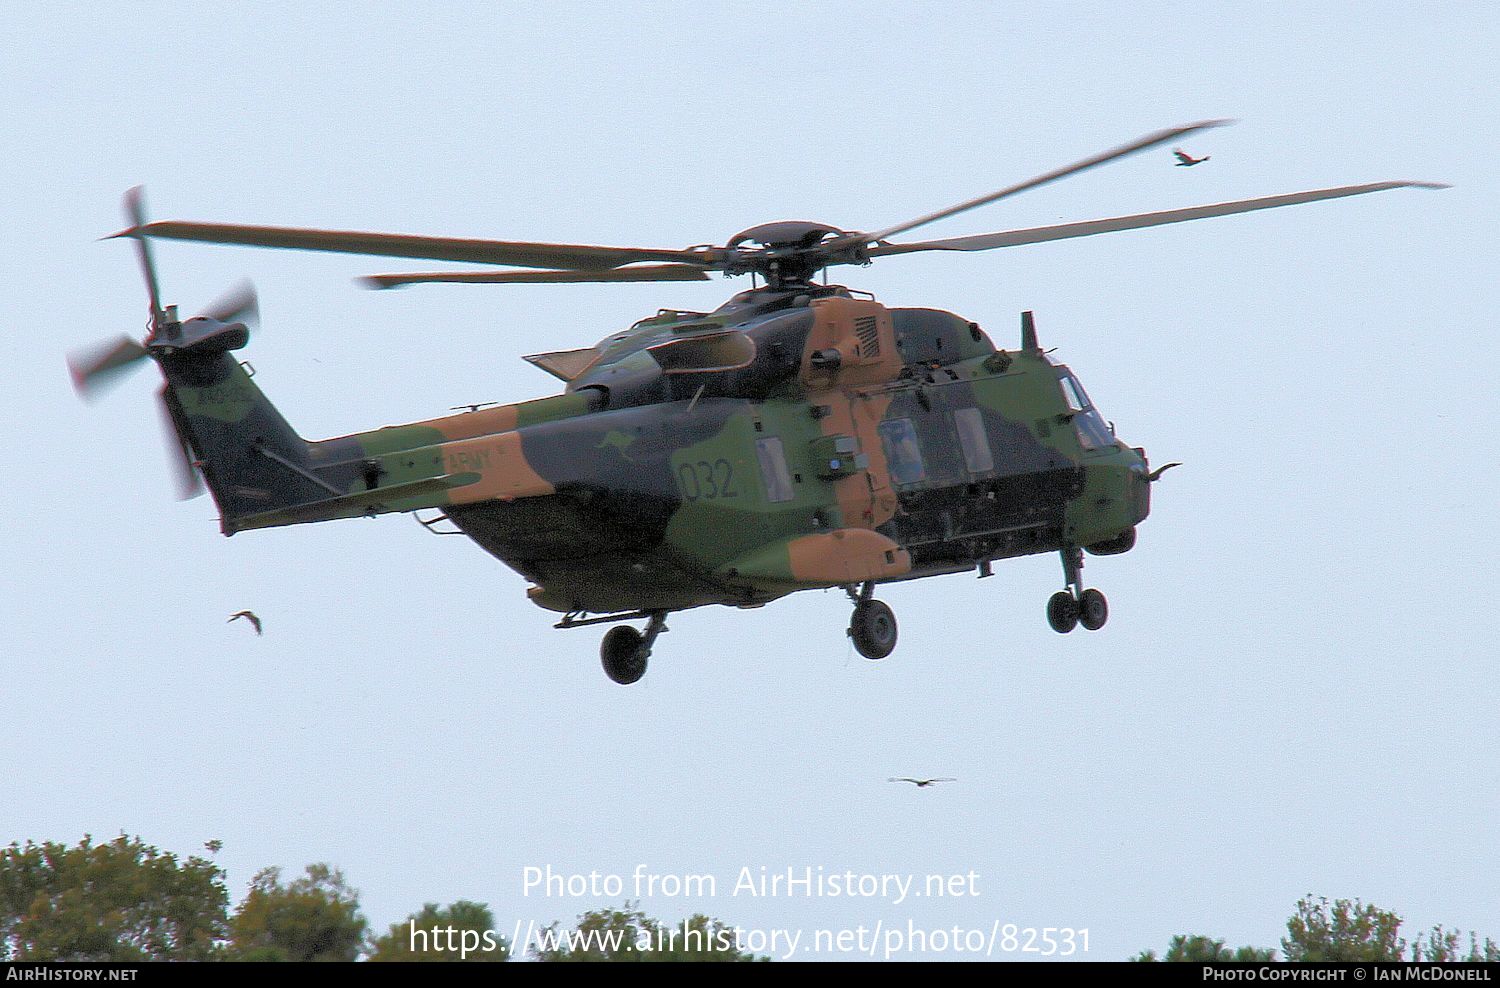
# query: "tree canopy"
[[1200, 949], [120, 901], [1341, 930], [464, 931], [312, 918], [126, 901], [628, 934], [1442, 946]]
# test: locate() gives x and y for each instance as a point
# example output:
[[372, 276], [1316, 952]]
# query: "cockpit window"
[[1073, 392], [1093, 432]]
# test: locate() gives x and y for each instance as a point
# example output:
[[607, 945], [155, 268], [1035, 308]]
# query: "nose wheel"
[[625, 650], [1069, 608], [872, 627]]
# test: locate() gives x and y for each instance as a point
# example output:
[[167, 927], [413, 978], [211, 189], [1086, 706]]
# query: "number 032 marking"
[[705, 481]]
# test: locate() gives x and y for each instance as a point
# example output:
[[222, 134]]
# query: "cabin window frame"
[[974, 440], [903, 451], [775, 474]]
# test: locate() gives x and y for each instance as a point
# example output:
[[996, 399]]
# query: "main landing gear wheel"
[[623, 654], [1093, 610], [873, 628], [1062, 612], [624, 650]]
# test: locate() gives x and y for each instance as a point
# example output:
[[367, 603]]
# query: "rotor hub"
[[789, 251]]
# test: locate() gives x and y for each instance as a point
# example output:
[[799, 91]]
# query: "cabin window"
[[975, 442], [902, 454], [773, 469]]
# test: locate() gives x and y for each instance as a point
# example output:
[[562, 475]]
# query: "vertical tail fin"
[[251, 458]]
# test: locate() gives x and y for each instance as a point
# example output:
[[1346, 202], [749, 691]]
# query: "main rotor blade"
[[1140, 144], [1087, 228], [654, 272], [519, 253], [101, 365], [135, 212], [236, 305], [184, 473]]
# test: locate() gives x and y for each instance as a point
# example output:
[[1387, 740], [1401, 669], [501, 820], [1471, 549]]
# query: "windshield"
[[1092, 430]]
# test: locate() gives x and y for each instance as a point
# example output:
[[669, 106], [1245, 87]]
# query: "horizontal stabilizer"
[[564, 364]]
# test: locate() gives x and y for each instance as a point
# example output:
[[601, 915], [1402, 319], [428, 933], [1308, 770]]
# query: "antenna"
[[1028, 332]]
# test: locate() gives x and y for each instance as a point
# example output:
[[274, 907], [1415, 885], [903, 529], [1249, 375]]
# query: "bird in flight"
[[923, 783], [247, 615], [1185, 160]]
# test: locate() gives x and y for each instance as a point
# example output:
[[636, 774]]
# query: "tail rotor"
[[224, 325], [135, 212], [104, 364], [186, 473]]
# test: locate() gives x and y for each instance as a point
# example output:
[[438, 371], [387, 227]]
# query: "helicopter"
[[800, 436]]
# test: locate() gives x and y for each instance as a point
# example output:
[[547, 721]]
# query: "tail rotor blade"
[[236, 305], [95, 369], [135, 212], [185, 473]]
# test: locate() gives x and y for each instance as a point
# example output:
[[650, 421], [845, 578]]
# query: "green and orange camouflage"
[[792, 439], [795, 438]]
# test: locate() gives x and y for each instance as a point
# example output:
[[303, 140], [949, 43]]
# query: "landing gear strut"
[[1074, 606], [624, 650], [873, 625]]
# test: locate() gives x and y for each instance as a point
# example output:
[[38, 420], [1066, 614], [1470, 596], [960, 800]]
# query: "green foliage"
[[1198, 949], [630, 935], [1339, 931], [314, 918], [1342, 931], [120, 901], [463, 931], [126, 901], [1446, 947]]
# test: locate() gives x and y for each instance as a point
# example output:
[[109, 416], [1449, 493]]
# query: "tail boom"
[[263, 475]]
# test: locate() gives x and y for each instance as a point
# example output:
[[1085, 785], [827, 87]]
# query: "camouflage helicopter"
[[800, 436]]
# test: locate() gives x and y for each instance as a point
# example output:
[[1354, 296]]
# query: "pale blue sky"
[[1296, 689]]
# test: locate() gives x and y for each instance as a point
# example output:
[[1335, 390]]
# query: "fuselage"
[[796, 437], [787, 441]]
